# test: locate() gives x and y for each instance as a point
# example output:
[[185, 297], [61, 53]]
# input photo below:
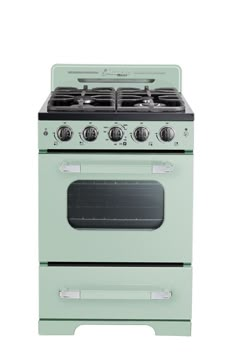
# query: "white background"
[[197, 35]]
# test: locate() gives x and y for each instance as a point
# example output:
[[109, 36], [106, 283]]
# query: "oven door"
[[115, 207]]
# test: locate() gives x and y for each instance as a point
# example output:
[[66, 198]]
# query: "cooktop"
[[71, 99], [116, 93]]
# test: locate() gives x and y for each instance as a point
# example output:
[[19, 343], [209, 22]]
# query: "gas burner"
[[157, 100], [71, 99]]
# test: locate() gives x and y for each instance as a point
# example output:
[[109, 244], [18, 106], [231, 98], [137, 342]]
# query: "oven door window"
[[115, 204]]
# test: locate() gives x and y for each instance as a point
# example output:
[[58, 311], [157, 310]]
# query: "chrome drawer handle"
[[69, 294], [162, 167], [161, 295], [115, 294]]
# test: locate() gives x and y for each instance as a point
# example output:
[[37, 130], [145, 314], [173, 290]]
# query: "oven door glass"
[[115, 204]]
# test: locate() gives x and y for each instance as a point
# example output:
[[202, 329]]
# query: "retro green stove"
[[115, 199]]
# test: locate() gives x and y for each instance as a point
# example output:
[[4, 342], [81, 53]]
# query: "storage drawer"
[[115, 293]]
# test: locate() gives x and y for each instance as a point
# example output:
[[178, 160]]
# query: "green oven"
[[115, 207]]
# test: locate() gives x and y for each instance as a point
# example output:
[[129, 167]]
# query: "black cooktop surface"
[[107, 103]]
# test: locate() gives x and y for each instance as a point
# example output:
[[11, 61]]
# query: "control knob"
[[167, 134], [90, 133], [115, 134], [141, 134], [64, 133]]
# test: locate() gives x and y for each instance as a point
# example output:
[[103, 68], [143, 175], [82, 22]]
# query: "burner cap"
[[88, 100], [147, 100]]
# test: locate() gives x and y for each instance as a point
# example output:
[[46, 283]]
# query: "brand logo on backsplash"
[[115, 73]]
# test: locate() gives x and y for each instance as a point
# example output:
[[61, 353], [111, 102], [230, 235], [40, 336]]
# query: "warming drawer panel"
[[162, 293]]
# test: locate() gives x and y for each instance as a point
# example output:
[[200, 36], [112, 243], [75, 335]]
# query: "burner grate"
[[158, 100], [108, 99], [73, 99]]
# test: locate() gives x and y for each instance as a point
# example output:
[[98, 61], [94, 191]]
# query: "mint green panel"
[[161, 328], [115, 293], [183, 139], [154, 76], [58, 241]]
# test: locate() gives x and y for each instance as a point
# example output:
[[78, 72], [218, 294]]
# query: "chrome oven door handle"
[[115, 294], [70, 168], [162, 167], [158, 167]]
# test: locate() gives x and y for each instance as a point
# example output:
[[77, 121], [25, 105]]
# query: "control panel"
[[116, 135]]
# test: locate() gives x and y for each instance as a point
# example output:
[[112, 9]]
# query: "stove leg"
[[170, 328], [58, 327], [68, 327]]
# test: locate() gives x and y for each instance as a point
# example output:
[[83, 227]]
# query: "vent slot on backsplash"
[[128, 81]]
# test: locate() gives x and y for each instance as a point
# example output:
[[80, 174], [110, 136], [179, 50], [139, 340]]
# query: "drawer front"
[[115, 293]]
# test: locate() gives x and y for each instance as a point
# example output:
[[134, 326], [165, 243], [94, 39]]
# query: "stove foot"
[[68, 327]]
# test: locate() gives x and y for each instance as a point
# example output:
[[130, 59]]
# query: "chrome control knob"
[[116, 134], [64, 133], [167, 134], [90, 133], [141, 134]]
